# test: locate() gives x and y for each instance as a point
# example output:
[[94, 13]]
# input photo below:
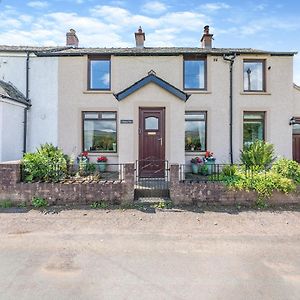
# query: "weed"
[[99, 205], [261, 203], [22, 204], [39, 202], [164, 205], [5, 204]]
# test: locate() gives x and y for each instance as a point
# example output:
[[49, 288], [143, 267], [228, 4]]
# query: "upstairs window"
[[194, 74], [254, 75], [99, 74], [254, 127]]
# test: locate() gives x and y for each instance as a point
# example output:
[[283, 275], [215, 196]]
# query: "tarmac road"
[[171, 254]]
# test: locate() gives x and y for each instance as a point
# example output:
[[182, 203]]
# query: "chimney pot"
[[139, 38], [72, 39], [207, 38]]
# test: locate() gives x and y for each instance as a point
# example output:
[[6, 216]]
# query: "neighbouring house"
[[164, 103]]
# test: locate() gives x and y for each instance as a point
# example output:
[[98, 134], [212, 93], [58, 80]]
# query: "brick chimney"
[[207, 38], [139, 38], [72, 39]]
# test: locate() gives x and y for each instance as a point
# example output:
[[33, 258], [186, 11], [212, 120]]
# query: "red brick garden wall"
[[11, 188]]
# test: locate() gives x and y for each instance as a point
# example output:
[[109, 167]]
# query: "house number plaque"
[[126, 121]]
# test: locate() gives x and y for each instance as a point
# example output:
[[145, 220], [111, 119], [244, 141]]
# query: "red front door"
[[151, 142]]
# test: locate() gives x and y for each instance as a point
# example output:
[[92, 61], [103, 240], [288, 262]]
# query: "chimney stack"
[[72, 39], [139, 38], [207, 38]]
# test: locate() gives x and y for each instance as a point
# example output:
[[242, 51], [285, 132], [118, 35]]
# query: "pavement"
[[153, 254]]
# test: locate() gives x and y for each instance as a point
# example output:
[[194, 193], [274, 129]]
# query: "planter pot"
[[210, 166], [195, 168], [102, 166]]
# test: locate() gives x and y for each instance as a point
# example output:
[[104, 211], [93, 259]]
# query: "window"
[[195, 74], [151, 123], [100, 131], [254, 127], [195, 131], [99, 74], [254, 75]]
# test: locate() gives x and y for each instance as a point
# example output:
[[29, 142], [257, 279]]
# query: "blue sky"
[[269, 25]]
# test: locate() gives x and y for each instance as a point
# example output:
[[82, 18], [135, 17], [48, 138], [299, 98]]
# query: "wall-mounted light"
[[292, 121]]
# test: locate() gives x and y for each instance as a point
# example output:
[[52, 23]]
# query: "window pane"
[[296, 129], [91, 115], [194, 74], [108, 115], [99, 74], [254, 116], [253, 129], [253, 76], [151, 123], [195, 132], [100, 135]]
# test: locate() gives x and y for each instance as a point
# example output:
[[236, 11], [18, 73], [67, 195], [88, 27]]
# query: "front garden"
[[259, 171], [50, 164]]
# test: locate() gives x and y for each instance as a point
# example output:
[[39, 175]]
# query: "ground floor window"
[[195, 131], [100, 131], [254, 127]]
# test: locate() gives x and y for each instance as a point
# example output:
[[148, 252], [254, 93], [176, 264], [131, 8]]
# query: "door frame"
[[163, 129]]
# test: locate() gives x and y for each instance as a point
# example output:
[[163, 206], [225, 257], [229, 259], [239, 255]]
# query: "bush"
[[264, 183], [48, 163], [259, 154], [287, 168]]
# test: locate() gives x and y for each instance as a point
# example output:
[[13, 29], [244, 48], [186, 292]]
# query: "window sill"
[[256, 93], [192, 153], [196, 92], [98, 92], [111, 154]]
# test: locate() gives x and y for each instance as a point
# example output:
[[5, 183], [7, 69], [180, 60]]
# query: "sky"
[[267, 25]]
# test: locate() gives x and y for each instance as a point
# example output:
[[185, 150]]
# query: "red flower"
[[102, 159], [85, 154]]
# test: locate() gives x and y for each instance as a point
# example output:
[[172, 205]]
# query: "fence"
[[214, 172], [73, 172]]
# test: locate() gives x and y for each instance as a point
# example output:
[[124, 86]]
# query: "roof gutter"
[[230, 59]]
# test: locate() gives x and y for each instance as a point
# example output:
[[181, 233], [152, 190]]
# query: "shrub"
[[259, 154], [39, 202], [48, 163], [287, 168], [229, 170], [264, 183]]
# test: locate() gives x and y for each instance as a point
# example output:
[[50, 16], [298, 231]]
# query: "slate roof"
[[70, 51], [151, 77], [13, 93]]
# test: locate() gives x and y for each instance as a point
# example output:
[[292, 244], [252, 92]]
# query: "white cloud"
[[154, 7], [213, 6], [38, 4]]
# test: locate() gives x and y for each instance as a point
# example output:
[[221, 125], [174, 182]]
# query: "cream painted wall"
[[152, 96], [277, 102]]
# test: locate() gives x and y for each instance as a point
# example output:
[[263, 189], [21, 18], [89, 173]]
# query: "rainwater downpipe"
[[231, 59], [27, 107]]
